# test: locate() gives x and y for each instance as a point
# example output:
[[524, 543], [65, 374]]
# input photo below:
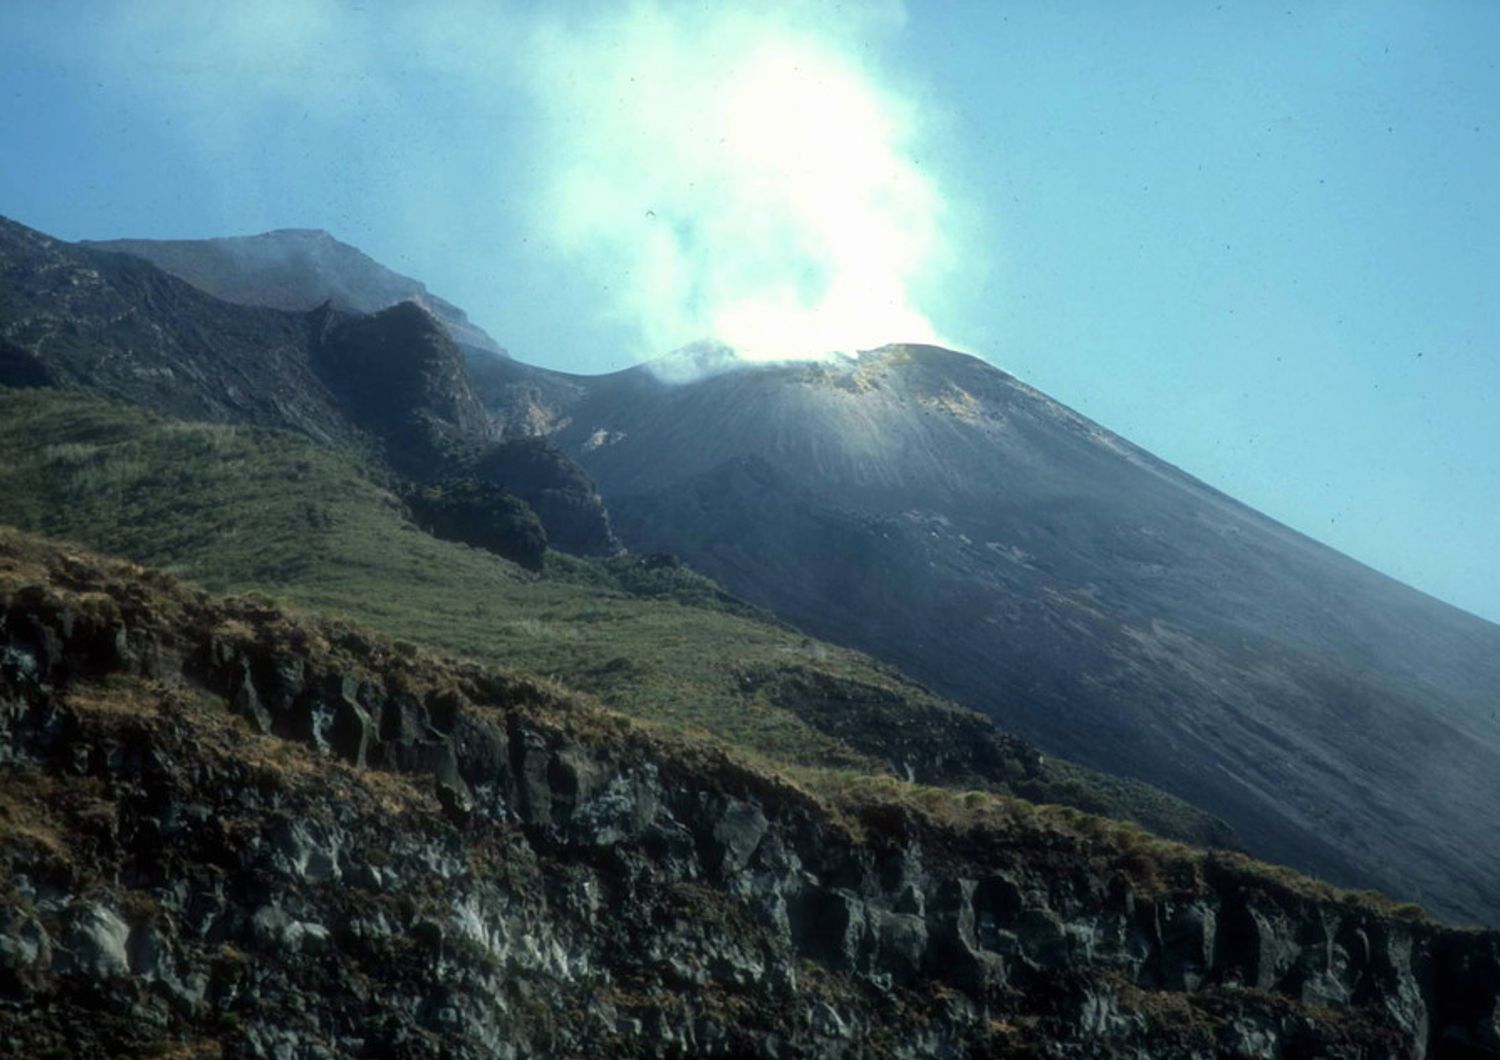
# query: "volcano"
[[935, 511]]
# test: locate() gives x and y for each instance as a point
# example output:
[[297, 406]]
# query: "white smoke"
[[738, 174]]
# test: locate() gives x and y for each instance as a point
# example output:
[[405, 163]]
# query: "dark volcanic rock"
[[22, 368], [936, 512], [399, 377], [391, 384], [121, 326], [537, 878], [484, 515], [560, 492]]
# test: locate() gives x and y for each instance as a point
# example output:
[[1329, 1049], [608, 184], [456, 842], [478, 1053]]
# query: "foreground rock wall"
[[226, 830]]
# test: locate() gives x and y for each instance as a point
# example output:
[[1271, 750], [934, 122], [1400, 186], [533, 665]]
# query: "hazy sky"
[[1262, 240]]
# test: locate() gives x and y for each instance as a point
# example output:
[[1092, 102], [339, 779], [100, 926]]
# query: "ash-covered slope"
[[227, 830], [933, 510], [296, 268]]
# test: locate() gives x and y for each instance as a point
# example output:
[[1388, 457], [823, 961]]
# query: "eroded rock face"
[[557, 489], [117, 325], [398, 376], [425, 858], [481, 514]]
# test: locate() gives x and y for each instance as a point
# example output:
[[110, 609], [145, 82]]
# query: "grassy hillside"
[[248, 510], [178, 814]]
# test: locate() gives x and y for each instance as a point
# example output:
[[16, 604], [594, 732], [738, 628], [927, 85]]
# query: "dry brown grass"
[[115, 697], [203, 1049], [28, 813]]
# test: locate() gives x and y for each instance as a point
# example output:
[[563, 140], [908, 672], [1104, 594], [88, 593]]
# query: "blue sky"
[[1261, 240]]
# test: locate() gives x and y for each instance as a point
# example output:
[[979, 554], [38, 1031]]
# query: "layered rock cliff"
[[228, 830]]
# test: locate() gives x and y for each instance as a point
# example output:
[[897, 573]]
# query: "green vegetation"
[[240, 509], [482, 514]]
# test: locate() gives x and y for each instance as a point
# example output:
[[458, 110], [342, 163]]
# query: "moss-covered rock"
[[481, 514]]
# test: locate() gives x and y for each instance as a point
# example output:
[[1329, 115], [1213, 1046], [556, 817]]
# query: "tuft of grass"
[[1155, 866], [26, 813]]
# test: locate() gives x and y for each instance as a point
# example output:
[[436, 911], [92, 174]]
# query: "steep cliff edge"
[[228, 830]]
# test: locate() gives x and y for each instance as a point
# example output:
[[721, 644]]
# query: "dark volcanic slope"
[[933, 510], [296, 268], [390, 383], [119, 325]]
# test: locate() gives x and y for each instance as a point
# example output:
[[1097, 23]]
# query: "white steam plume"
[[735, 174], [741, 173]]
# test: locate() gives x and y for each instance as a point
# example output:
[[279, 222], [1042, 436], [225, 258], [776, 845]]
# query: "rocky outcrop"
[[557, 489], [398, 376], [481, 514], [225, 827]]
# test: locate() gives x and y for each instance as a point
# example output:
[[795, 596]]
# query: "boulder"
[[97, 944]]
